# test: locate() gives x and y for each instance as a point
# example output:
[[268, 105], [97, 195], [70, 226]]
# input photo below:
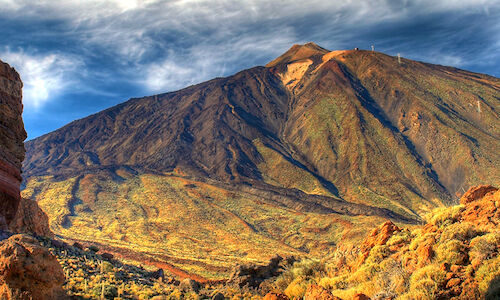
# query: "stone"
[[31, 219], [453, 282], [218, 296], [78, 245], [360, 296], [108, 256], [476, 193], [157, 274], [189, 284], [12, 136], [28, 270]]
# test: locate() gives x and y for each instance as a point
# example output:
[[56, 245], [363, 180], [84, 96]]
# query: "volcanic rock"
[[30, 218], [29, 271], [476, 193], [12, 136], [316, 292]]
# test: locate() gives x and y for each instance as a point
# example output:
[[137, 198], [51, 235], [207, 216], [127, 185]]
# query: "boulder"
[[31, 219], [476, 193], [316, 292], [360, 296], [189, 284], [12, 136], [218, 296], [28, 270], [253, 275]]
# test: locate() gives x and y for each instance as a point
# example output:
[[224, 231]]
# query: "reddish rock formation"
[[30, 218], [360, 297], [12, 136], [316, 292], [29, 271], [378, 236], [476, 193], [482, 207]]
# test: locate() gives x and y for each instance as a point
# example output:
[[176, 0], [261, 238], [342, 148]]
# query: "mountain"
[[289, 158]]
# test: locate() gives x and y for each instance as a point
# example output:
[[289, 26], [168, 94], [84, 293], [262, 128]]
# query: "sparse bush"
[[445, 216], [334, 283], [459, 231], [297, 288], [489, 270], [484, 247], [452, 252], [377, 254], [425, 282]]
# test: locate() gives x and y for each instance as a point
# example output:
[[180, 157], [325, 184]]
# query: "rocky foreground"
[[455, 255]]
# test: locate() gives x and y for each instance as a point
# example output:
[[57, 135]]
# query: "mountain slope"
[[349, 136]]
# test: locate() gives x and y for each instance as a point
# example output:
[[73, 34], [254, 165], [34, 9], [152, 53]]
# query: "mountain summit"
[[350, 133]]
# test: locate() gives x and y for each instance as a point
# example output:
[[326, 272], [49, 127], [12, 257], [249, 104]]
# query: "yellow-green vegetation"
[[281, 172], [446, 258], [196, 227]]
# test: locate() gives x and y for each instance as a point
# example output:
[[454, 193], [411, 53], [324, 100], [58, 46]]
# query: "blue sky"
[[79, 57]]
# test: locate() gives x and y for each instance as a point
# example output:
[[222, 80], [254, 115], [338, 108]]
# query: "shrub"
[[400, 237], [377, 254], [459, 231], [297, 288], [484, 247], [488, 272], [445, 216], [334, 283], [452, 252], [425, 282]]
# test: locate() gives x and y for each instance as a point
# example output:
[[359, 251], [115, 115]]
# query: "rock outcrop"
[[30, 218], [12, 136], [28, 270]]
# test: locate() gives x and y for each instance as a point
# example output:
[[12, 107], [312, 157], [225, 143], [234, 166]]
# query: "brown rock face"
[[12, 136], [476, 193], [30, 218], [29, 271], [378, 236]]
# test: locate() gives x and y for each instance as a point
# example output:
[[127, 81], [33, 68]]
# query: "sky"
[[82, 56]]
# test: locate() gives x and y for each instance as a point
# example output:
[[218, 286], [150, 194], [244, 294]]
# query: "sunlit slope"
[[195, 226], [354, 125]]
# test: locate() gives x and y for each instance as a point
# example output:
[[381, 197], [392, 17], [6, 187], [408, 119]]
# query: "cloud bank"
[[92, 54]]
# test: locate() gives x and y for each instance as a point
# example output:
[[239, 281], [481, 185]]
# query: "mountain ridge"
[[353, 136]]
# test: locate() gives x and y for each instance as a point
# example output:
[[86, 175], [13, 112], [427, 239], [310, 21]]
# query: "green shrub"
[[451, 251], [426, 282]]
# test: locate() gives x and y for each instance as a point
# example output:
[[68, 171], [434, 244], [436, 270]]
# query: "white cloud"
[[43, 76]]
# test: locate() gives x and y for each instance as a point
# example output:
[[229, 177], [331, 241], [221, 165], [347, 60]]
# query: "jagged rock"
[[483, 211], [316, 292], [31, 219], [254, 275], [218, 296], [29, 271], [157, 274], [109, 256], [360, 296], [78, 245], [476, 192], [378, 236], [189, 284], [12, 136]]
